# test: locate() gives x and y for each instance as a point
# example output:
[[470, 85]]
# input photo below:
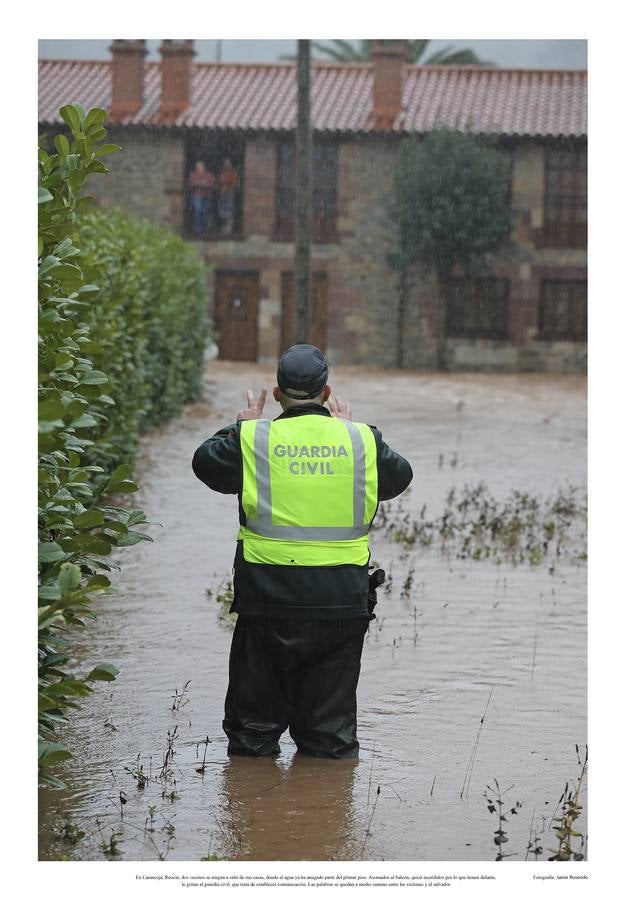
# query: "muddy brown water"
[[466, 632]]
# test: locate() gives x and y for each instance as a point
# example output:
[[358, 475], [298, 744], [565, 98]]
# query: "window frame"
[[571, 334], [323, 227], [561, 228], [480, 331], [200, 142]]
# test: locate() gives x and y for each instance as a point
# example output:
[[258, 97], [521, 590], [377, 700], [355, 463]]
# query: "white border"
[[249, 20]]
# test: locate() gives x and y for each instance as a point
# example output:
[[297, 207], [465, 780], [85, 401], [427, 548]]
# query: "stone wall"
[[366, 289], [146, 176]]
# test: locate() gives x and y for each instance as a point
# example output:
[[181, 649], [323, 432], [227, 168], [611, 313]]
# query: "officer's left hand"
[[254, 410], [339, 408]]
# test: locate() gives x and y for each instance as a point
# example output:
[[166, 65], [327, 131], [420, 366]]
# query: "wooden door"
[[236, 306], [319, 311]]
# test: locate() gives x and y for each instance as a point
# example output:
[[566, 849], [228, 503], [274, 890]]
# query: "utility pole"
[[302, 263]]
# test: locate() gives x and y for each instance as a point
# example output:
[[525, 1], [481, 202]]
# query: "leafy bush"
[[149, 323], [125, 326], [451, 193], [75, 530]]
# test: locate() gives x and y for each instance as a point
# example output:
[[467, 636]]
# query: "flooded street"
[[455, 641]]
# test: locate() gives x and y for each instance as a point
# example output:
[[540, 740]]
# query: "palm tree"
[[344, 51]]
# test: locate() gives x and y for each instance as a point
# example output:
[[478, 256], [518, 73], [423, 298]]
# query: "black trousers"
[[301, 675]]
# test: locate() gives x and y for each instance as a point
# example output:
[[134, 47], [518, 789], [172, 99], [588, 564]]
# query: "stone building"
[[528, 314]]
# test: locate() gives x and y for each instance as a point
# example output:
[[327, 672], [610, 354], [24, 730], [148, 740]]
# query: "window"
[[563, 311], [478, 308], [285, 192], [213, 185], [324, 164], [565, 223]]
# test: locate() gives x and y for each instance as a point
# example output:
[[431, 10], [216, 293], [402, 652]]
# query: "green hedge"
[[122, 328], [149, 321]]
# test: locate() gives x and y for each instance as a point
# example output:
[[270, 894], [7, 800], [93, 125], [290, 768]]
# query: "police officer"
[[309, 483]]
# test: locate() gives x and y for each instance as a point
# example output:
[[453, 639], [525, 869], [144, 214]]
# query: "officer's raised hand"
[[254, 410], [339, 408]]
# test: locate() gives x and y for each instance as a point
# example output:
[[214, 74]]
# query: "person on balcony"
[[227, 181], [201, 190]]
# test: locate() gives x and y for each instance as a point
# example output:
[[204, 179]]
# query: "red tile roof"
[[263, 97]]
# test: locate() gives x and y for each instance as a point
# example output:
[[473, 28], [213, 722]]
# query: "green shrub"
[[119, 351], [150, 324], [76, 531]]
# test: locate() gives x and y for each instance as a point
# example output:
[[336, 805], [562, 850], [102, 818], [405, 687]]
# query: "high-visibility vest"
[[310, 491]]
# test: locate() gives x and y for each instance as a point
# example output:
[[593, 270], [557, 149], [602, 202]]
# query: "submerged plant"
[[407, 586], [120, 803], [167, 772], [138, 774], [472, 759], [161, 854], [180, 699], [171, 795], [369, 824], [150, 818], [570, 812], [111, 847], [534, 838], [168, 827], [495, 804], [206, 743], [71, 833], [168, 757], [223, 596], [210, 857], [474, 525]]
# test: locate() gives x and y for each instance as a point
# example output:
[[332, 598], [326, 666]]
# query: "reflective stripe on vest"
[[278, 532]]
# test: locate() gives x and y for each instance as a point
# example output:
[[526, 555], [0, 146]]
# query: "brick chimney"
[[128, 76], [389, 58], [176, 66]]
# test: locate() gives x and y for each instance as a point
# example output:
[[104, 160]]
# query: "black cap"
[[302, 372]]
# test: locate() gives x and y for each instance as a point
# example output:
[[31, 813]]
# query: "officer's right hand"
[[254, 410]]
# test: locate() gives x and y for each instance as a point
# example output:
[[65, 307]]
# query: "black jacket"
[[304, 592]]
